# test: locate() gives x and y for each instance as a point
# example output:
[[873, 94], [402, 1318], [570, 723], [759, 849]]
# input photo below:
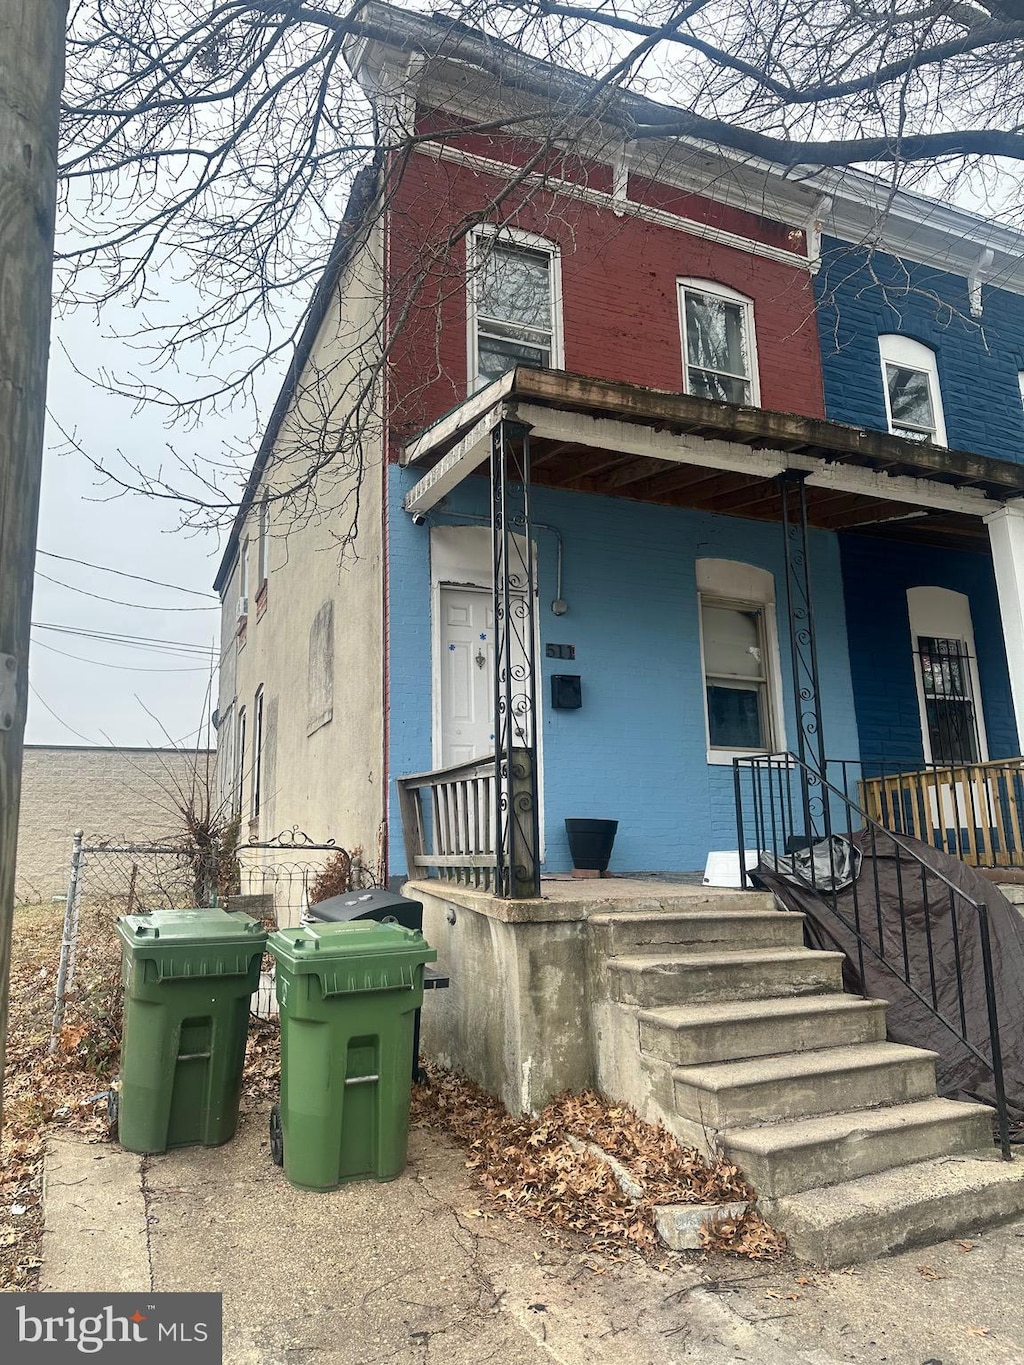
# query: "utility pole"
[[31, 76]]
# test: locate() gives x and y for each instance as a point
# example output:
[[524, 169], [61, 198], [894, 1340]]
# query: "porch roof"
[[623, 440]]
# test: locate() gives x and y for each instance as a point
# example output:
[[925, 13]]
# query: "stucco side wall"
[[121, 795], [315, 644]]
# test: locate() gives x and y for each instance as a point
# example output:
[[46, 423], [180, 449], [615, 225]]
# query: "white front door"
[[467, 675]]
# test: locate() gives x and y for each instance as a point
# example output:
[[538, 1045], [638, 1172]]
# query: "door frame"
[[461, 557]]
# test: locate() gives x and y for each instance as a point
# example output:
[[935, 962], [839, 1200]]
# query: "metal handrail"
[[814, 787]]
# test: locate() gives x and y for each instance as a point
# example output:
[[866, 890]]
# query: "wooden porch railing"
[[973, 810], [448, 823]]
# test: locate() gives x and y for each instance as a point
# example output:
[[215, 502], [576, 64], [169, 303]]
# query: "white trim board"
[[615, 204]]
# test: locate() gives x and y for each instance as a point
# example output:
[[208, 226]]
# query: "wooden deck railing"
[[973, 810], [448, 823]]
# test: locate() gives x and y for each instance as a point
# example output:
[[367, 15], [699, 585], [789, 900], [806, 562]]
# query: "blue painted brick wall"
[[876, 575], [636, 751], [859, 298]]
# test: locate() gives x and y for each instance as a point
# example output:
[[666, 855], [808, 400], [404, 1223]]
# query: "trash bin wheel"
[[276, 1136], [113, 1105]]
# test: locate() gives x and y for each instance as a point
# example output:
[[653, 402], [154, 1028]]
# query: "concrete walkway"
[[411, 1272]]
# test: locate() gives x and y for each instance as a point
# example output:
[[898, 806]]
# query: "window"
[[946, 676], [739, 649], [243, 575], [735, 675], [948, 699], [239, 794], [910, 379], [264, 543], [719, 359], [257, 754], [514, 304]]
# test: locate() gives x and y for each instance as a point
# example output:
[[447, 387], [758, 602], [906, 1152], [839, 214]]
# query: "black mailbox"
[[566, 692]]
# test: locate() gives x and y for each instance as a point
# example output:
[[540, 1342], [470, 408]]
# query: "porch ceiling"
[[621, 440]]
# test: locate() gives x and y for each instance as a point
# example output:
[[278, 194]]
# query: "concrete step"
[[797, 1084], [699, 901], [691, 1034], [909, 1206], [785, 1158], [634, 932], [691, 978]]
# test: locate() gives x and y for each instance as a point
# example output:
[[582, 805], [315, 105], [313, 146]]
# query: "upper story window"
[[719, 352], [910, 378], [243, 577], [514, 296]]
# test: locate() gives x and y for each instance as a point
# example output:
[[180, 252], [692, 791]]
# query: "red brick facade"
[[619, 301]]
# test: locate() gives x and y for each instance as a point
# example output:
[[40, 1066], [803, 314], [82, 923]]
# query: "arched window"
[[740, 658], [719, 348], [910, 379]]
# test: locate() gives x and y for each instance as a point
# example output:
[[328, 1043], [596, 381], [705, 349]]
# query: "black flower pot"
[[590, 843]]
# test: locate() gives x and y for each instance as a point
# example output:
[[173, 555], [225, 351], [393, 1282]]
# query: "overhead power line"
[[118, 602], [152, 642], [122, 573], [121, 668]]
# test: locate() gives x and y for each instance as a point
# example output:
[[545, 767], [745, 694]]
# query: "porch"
[[770, 515]]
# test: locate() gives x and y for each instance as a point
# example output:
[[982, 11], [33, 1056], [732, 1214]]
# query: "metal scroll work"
[[517, 870], [291, 838], [810, 738]]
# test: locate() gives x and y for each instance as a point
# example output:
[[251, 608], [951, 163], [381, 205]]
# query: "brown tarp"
[[886, 872]]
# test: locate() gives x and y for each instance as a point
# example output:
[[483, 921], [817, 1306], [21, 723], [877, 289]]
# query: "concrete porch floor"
[[564, 897]]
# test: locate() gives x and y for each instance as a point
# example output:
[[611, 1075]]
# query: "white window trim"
[[942, 614], [256, 786], [722, 291], [1020, 386], [731, 583], [263, 541], [514, 237], [243, 570], [238, 797], [894, 349]]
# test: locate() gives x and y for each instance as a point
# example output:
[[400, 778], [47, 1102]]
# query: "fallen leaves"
[[529, 1168]]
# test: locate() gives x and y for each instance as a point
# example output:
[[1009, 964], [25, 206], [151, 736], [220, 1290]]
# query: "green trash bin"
[[348, 995], [188, 977]]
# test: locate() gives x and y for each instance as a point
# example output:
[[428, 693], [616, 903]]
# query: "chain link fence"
[[274, 881]]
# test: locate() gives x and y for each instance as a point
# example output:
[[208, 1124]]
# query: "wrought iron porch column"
[[810, 736], [517, 844]]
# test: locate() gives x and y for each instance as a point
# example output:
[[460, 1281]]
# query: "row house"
[[686, 496]]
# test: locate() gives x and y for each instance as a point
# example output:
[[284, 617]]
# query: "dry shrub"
[[529, 1168], [334, 878]]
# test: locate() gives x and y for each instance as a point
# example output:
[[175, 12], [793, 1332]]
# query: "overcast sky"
[[101, 694]]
